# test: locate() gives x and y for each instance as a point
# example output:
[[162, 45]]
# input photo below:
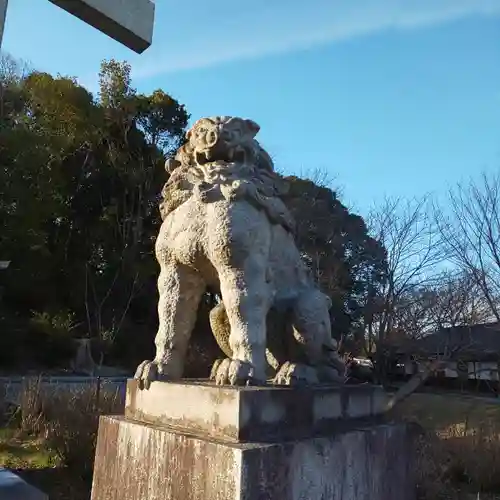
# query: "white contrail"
[[264, 27]]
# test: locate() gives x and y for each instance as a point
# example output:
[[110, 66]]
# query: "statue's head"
[[223, 138], [222, 158]]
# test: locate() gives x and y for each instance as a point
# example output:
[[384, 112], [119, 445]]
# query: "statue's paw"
[[296, 374], [234, 372], [147, 372], [215, 369]]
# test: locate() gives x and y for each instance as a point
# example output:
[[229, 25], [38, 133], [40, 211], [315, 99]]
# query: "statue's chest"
[[182, 234]]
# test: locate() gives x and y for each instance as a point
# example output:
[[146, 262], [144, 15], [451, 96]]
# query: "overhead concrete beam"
[[129, 22], [3, 14]]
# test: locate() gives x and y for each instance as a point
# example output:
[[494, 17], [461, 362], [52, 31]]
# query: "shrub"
[[475, 453], [59, 324], [459, 460], [458, 448], [53, 335], [30, 406], [432, 468], [68, 421]]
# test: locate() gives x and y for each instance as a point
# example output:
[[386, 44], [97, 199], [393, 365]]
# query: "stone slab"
[[252, 413], [130, 22], [12, 487], [137, 461]]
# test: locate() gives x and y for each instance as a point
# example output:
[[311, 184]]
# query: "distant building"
[[471, 352]]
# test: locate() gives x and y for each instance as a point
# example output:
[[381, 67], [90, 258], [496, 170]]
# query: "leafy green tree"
[[79, 184]]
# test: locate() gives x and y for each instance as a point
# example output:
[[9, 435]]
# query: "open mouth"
[[226, 155]]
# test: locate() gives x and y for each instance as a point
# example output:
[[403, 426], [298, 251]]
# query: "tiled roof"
[[482, 340]]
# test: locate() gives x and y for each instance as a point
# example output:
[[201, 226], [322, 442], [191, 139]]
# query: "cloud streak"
[[205, 34]]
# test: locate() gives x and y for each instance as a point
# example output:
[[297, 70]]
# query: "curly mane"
[[236, 168]]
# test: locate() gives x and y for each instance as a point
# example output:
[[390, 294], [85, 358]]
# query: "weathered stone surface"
[[252, 413], [130, 22], [137, 461], [226, 227], [12, 487]]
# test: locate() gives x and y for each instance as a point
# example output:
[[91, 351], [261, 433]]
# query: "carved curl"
[[222, 160]]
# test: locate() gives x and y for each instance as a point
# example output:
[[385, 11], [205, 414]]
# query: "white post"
[[3, 14]]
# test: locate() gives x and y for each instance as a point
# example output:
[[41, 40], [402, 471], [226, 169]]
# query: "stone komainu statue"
[[226, 227]]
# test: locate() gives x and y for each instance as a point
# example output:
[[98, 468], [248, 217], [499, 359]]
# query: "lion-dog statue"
[[226, 227]]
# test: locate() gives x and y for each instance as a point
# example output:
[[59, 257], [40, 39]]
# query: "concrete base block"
[[252, 413], [138, 461], [195, 441]]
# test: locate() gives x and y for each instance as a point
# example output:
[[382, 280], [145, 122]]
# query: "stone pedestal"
[[196, 441]]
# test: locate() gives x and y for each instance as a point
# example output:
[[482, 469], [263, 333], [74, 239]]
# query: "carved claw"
[[234, 372], [296, 374], [215, 368], [147, 372]]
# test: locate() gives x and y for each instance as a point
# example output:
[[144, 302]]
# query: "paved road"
[[13, 487]]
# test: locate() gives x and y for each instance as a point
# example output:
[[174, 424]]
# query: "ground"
[[30, 458], [458, 455], [27, 453], [440, 411]]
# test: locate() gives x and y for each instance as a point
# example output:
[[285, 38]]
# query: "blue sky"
[[390, 97]]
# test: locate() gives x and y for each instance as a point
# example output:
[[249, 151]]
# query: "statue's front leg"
[[246, 296], [180, 289]]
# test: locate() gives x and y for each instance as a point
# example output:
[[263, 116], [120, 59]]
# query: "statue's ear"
[[253, 127]]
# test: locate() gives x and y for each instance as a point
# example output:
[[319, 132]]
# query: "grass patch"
[[50, 440], [458, 450], [17, 452], [438, 411]]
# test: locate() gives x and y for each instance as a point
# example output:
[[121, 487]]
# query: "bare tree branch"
[[471, 235], [411, 239]]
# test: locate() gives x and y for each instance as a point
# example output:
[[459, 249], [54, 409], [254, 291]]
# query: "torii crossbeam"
[[129, 22]]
